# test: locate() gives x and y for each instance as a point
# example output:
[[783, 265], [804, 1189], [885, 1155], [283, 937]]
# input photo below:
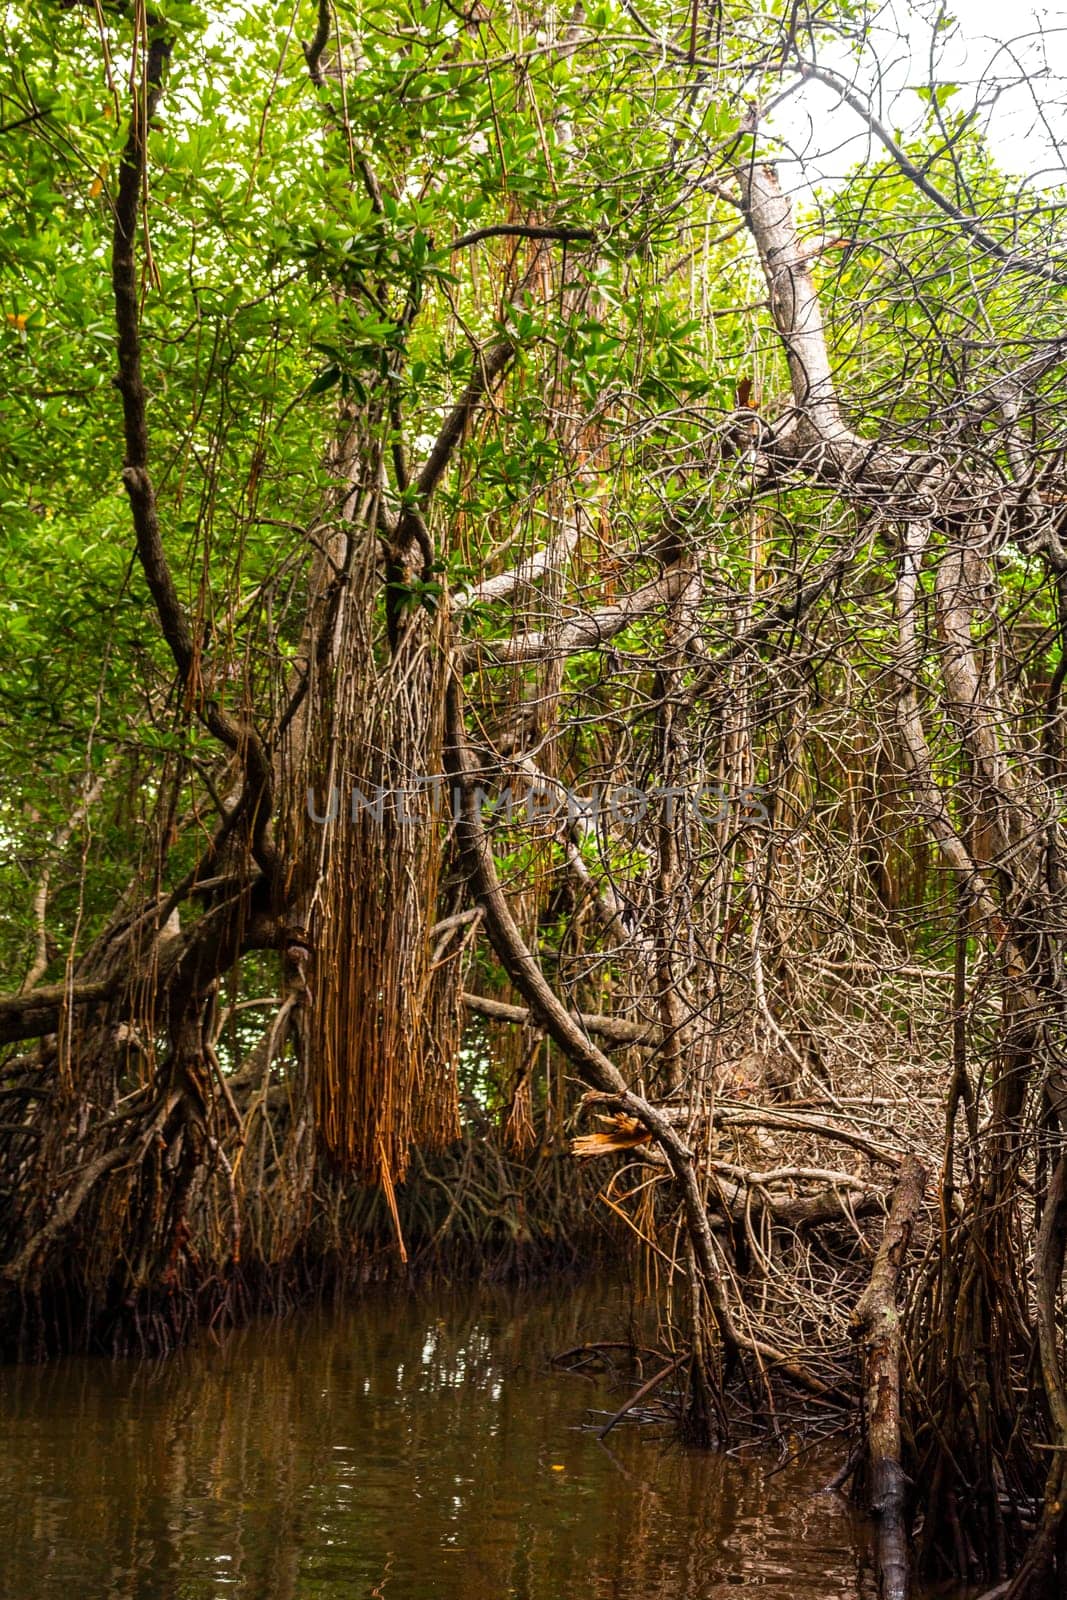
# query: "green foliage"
[[297, 263]]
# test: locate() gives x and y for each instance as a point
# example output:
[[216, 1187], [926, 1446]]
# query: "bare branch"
[[135, 475], [583, 632], [539, 565], [1011, 258], [615, 1029]]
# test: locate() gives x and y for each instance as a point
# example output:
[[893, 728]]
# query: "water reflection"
[[391, 1451]]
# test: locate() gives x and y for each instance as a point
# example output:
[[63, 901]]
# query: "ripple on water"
[[395, 1450]]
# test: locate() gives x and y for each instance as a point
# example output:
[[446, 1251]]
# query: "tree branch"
[[504, 584], [615, 1029], [37, 1012], [518, 230], [313, 51], [583, 632], [1011, 258], [488, 367], [243, 740]]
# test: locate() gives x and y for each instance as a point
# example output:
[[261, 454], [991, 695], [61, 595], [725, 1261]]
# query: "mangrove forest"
[[533, 637]]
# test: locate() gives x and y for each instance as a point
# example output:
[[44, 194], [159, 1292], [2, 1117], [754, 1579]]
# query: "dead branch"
[[615, 1029], [584, 632]]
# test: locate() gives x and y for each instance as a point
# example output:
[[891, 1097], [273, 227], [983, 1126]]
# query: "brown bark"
[[876, 1320]]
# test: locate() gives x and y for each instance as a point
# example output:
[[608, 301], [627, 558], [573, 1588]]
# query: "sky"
[[1007, 57]]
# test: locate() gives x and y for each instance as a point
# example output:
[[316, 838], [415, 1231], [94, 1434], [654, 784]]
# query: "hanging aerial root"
[[385, 1018]]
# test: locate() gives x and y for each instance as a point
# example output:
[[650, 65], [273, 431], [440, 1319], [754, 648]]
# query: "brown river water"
[[392, 1449]]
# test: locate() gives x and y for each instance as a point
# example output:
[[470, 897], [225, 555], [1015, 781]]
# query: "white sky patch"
[[1009, 66]]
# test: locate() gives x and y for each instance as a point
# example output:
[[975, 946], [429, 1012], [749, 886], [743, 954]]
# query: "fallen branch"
[[801, 1122], [645, 1390], [726, 1115]]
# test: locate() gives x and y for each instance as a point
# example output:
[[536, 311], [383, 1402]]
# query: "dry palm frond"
[[622, 1133]]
